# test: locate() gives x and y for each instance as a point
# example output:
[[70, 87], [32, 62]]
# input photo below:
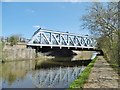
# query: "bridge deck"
[[57, 47], [44, 45]]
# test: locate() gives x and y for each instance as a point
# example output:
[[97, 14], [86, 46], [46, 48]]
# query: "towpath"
[[102, 76]]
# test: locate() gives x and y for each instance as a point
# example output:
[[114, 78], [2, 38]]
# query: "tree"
[[102, 21], [13, 40]]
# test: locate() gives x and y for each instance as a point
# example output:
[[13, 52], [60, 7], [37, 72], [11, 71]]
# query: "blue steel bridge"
[[43, 38]]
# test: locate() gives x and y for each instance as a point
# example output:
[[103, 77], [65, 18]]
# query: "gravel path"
[[102, 76]]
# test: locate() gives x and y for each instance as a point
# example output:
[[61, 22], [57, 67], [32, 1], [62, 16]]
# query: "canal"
[[42, 73]]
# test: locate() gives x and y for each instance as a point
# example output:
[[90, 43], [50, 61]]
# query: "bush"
[[13, 40]]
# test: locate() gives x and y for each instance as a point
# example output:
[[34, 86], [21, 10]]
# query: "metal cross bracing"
[[43, 37]]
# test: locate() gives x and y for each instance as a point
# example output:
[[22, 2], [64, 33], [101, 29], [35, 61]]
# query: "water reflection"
[[56, 77], [60, 62], [25, 74], [15, 72]]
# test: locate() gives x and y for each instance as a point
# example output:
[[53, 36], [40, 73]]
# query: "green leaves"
[[78, 83], [13, 40]]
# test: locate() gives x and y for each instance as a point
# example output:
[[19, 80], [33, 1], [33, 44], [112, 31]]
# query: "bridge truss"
[[43, 37]]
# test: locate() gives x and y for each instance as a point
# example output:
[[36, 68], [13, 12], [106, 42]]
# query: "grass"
[[81, 80]]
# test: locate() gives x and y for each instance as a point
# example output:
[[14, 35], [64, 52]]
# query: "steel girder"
[[50, 38]]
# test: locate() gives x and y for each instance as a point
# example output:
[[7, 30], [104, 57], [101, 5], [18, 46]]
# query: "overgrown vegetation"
[[78, 83], [0, 50], [102, 20], [13, 40]]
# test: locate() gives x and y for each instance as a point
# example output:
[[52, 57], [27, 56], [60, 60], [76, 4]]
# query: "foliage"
[[0, 50], [102, 21], [13, 40], [78, 83]]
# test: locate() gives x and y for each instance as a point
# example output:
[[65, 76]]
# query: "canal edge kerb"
[[82, 79]]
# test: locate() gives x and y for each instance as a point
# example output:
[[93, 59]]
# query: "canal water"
[[42, 73]]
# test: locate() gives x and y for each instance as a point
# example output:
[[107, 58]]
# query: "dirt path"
[[102, 76]]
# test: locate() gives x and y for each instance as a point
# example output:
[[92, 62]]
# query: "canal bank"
[[103, 76], [81, 80], [20, 52]]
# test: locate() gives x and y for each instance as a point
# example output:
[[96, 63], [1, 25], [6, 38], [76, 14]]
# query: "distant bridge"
[[47, 38]]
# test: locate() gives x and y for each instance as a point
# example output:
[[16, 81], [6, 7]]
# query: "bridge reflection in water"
[[60, 77], [42, 73]]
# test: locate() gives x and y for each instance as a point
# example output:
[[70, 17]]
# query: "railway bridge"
[[44, 39]]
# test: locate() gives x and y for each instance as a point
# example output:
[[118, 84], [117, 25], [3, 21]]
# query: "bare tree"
[[102, 21]]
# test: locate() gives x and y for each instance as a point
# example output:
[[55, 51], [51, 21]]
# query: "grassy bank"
[[80, 81]]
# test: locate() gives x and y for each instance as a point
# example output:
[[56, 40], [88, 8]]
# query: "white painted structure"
[[43, 37]]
